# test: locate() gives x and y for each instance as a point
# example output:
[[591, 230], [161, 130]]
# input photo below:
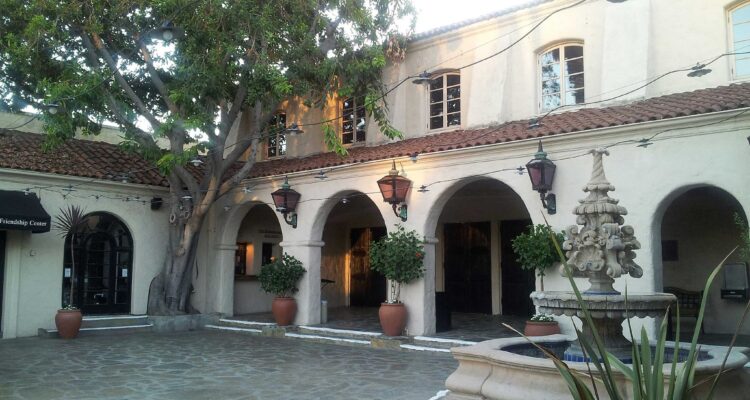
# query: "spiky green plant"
[[70, 222]]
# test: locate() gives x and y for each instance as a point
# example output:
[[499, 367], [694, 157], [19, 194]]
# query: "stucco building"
[[597, 74]]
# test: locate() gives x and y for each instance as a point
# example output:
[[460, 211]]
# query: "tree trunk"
[[169, 292]]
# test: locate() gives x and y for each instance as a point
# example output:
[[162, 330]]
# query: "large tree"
[[101, 61]]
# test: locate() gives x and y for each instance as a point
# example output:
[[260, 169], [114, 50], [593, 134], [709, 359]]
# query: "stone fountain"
[[602, 249]]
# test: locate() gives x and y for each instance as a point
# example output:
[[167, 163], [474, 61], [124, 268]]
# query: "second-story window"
[[740, 23], [354, 121], [445, 101], [561, 76], [276, 131]]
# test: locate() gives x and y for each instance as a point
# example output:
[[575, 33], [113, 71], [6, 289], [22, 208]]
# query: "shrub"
[[399, 257], [280, 277]]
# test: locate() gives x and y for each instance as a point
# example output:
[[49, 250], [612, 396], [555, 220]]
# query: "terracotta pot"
[[68, 323], [284, 309], [392, 318], [541, 328]]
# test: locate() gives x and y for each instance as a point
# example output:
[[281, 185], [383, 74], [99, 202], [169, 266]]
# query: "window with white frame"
[[276, 131], [561, 70], [445, 101], [739, 18], [354, 121]]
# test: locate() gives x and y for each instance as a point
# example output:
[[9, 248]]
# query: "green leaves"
[[535, 248], [280, 277], [399, 256]]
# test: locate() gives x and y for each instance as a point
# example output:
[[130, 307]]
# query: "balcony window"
[[445, 101], [561, 70]]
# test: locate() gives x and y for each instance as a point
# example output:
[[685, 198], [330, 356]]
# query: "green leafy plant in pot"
[[399, 256], [535, 250], [280, 278], [70, 223]]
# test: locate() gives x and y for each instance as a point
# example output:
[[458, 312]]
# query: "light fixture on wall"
[[285, 199], [52, 108], [197, 162], [422, 79], [294, 129], [394, 189], [321, 175], [698, 70], [414, 156], [168, 31], [542, 173]]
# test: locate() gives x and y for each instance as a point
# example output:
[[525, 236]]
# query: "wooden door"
[[517, 283], [468, 267], [367, 287]]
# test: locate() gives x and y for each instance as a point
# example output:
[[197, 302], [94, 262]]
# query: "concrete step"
[[239, 323], [249, 331], [424, 349], [339, 333], [328, 339], [100, 331], [440, 343], [102, 321]]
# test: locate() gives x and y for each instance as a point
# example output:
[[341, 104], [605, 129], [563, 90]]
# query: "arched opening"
[[258, 239], [698, 230], [103, 256], [350, 290], [478, 282]]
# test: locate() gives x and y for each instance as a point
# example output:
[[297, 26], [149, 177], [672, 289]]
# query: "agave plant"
[[70, 222]]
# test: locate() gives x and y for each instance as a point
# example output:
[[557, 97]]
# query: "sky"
[[435, 13]]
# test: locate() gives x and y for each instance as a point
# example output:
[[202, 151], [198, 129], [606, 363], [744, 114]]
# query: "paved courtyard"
[[213, 365]]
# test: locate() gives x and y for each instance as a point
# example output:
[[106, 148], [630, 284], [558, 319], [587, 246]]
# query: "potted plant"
[[536, 251], [399, 256], [541, 325], [280, 277], [70, 223]]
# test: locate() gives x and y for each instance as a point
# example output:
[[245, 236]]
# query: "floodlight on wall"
[[52, 108], [294, 129], [698, 70], [534, 123], [542, 173], [394, 189], [414, 156], [197, 162], [422, 79], [285, 199], [168, 31]]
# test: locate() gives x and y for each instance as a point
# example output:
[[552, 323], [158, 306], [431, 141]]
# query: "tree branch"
[[156, 79], [110, 62]]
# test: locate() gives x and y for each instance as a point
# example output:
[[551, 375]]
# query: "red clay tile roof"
[[658, 108], [82, 158], [107, 161]]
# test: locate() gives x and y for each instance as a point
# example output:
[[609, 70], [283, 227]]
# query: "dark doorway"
[[2, 273], [517, 283], [103, 267], [368, 288], [468, 267]]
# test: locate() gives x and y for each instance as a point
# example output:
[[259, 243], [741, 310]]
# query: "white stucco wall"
[[33, 264]]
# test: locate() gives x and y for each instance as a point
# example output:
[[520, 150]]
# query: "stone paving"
[[213, 365]]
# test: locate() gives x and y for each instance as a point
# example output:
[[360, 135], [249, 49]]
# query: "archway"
[[103, 255], [350, 290], [258, 238], [698, 230], [476, 272]]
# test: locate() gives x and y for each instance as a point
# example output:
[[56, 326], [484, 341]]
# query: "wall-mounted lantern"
[[285, 200], [394, 189], [542, 173]]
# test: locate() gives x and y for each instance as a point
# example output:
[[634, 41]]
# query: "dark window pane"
[[346, 137], [550, 71], [360, 112], [574, 97], [574, 82], [551, 57], [453, 80], [454, 92], [436, 83], [436, 109], [573, 52], [550, 86], [574, 66], [348, 126], [436, 96], [454, 105], [282, 145], [454, 119], [349, 103], [361, 133], [436, 122]]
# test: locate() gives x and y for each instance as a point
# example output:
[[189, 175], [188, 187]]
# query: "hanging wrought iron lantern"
[[394, 189], [285, 199], [542, 173]]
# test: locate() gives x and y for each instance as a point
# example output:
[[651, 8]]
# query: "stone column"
[[10, 303], [220, 285], [308, 297], [419, 296]]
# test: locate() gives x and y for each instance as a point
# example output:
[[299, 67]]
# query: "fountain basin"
[[502, 369]]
